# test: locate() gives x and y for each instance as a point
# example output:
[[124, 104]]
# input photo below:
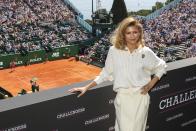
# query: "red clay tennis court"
[[52, 74]]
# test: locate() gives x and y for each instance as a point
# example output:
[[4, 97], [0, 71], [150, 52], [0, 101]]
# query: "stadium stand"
[[28, 25], [172, 29], [171, 35]]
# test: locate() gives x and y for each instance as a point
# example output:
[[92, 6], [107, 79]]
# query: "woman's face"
[[132, 35]]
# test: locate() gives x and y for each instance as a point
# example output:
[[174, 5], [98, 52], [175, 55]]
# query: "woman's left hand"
[[146, 88], [150, 85]]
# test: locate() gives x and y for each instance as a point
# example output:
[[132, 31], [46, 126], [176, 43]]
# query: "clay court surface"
[[52, 74]]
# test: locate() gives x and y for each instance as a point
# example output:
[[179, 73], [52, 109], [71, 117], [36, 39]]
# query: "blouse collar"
[[135, 50]]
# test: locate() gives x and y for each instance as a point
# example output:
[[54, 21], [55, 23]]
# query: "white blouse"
[[131, 69]]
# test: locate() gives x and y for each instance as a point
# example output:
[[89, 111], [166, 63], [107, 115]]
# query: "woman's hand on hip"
[[146, 88], [150, 85]]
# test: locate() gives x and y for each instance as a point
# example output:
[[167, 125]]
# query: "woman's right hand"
[[82, 90]]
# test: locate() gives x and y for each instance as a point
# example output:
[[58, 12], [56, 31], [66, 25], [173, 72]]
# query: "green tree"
[[119, 11], [158, 5], [143, 12], [153, 8], [168, 1], [132, 13]]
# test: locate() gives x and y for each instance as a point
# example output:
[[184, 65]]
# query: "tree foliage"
[[168, 1], [119, 11]]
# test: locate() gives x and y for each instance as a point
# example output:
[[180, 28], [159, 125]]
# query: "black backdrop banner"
[[93, 111], [173, 102], [172, 107]]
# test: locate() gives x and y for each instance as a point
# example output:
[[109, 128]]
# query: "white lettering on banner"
[[190, 79], [19, 62], [111, 128], [70, 113], [55, 54], [99, 118], [111, 101], [36, 60], [178, 99], [16, 128], [188, 122], [174, 117], [1, 64], [160, 87]]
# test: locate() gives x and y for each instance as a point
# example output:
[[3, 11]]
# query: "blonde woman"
[[135, 69]]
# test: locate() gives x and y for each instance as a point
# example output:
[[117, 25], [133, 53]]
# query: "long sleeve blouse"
[[131, 69]]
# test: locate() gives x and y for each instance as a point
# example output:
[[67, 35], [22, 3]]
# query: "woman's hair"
[[118, 37]]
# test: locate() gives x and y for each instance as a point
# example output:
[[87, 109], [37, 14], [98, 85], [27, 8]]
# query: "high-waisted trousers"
[[131, 110]]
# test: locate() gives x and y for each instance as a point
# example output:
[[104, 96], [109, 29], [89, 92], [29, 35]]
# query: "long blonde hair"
[[118, 37]]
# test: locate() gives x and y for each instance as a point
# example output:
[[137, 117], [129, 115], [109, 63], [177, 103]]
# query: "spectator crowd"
[[173, 30], [29, 25]]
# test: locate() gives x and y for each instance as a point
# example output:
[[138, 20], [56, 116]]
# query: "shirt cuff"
[[160, 74], [98, 80]]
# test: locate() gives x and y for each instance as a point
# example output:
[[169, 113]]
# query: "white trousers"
[[131, 110]]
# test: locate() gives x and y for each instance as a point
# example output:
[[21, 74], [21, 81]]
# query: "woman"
[[135, 70]]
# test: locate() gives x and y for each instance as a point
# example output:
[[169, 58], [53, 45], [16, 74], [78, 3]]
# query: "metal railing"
[[74, 8], [84, 24]]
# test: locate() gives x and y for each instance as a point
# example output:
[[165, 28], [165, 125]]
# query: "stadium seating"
[[170, 35]]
